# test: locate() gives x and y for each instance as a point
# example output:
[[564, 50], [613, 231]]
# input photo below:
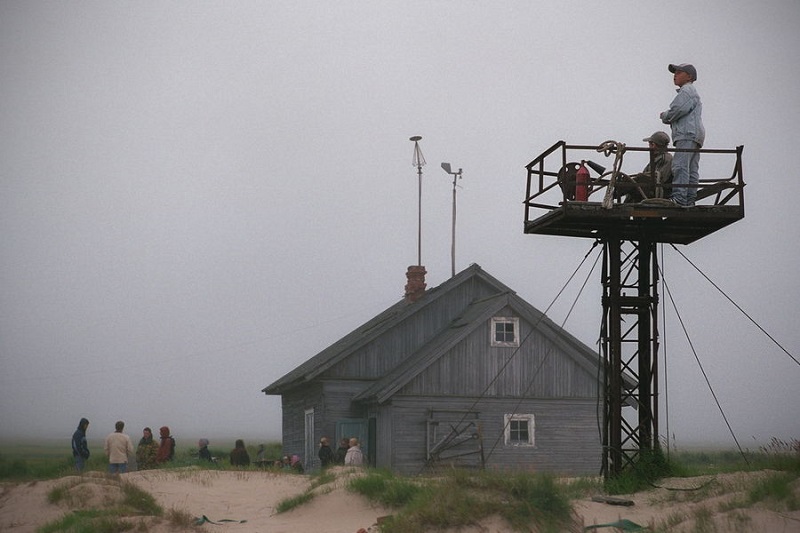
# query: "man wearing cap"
[[661, 165], [685, 118]]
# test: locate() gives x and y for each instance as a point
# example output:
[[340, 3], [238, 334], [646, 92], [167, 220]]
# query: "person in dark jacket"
[[80, 449], [341, 451], [203, 453], [166, 452], [325, 453], [239, 455]]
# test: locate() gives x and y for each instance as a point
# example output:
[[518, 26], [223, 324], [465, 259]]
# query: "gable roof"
[[373, 329], [472, 316]]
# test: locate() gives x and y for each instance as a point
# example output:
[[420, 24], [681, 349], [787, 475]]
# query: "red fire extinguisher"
[[582, 184]]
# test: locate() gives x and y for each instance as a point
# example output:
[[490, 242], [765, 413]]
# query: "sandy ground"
[[248, 500]]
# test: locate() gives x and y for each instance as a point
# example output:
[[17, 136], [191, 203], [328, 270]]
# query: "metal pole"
[[418, 161], [453, 245]]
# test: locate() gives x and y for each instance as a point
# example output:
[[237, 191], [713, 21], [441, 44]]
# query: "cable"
[[549, 351], [522, 342], [738, 307], [702, 370]]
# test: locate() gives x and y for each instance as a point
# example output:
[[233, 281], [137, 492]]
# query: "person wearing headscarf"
[[166, 451], [203, 452], [296, 464], [146, 450]]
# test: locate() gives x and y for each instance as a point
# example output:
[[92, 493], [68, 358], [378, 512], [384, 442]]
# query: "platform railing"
[[547, 175]]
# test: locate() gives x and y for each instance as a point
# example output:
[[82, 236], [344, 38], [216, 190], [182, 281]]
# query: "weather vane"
[[419, 162], [456, 176]]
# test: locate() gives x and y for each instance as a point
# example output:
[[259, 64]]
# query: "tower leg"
[[630, 346]]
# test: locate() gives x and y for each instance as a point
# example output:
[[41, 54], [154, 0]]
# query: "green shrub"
[[140, 501], [776, 489], [464, 497], [384, 487], [650, 466]]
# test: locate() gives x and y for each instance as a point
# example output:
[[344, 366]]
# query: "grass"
[[24, 461], [650, 467], [122, 504], [460, 498], [295, 501]]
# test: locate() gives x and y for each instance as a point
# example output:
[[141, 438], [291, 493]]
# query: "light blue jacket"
[[685, 116]]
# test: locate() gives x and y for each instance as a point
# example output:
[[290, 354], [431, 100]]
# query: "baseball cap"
[[660, 138], [686, 67]]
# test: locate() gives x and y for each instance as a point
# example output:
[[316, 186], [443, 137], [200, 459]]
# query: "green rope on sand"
[[203, 519], [624, 525]]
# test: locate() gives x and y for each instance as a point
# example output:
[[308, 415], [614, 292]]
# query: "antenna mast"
[[418, 161], [456, 176]]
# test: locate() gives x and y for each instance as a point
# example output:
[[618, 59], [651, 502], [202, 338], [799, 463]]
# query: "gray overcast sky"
[[196, 197]]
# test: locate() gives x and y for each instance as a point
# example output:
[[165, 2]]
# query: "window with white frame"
[[519, 430], [505, 331]]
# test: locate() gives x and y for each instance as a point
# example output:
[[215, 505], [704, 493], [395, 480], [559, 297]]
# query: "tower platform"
[[551, 207], [634, 222]]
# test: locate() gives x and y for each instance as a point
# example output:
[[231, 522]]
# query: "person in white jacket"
[[685, 117], [354, 456], [118, 448]]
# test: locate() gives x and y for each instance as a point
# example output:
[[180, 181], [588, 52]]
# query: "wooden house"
[[466, 374]]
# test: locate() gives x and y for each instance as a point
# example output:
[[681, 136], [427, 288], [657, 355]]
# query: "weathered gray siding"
[[538, 368], [294, 405], [390, 349], [566, 437]]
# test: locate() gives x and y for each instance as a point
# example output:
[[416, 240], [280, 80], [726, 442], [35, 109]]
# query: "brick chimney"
[[415, 288]]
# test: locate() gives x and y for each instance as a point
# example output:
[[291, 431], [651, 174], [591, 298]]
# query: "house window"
[[505, 331], [518, 430]]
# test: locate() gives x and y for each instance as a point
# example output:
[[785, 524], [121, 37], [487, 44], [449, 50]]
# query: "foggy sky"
[[196, 197]]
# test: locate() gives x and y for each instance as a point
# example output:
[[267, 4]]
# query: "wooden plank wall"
[[567, 439]]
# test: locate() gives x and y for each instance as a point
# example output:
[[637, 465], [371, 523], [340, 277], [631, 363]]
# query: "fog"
[[195, 198]]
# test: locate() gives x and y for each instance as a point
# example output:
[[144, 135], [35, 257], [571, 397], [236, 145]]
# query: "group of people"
[[149, 453], [348, 453], [118, 447], [688, 135]]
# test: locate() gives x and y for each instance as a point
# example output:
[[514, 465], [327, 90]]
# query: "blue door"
[[354, 427]]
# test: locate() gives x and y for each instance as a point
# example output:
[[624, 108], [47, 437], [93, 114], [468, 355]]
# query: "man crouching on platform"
[[645, 182]]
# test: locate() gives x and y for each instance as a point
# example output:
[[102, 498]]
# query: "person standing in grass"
[[80, 449], [325, 453], [355, 456], [166, 451], [146, 450], [341, 451], [118, 448], [203, 451], [239, 455]]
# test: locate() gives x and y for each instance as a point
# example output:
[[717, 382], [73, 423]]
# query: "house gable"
[[461, 362], [384, 342]]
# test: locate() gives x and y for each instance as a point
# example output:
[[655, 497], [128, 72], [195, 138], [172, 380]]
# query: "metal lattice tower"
[[629, 233]]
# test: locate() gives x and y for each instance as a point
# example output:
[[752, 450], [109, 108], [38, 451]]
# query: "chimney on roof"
[[415, 288]]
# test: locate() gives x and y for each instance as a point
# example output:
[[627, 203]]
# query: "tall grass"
[[650, 466], [460, 498], [50, 460]]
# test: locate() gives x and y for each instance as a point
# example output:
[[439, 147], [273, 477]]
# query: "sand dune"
[[245, 501]]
